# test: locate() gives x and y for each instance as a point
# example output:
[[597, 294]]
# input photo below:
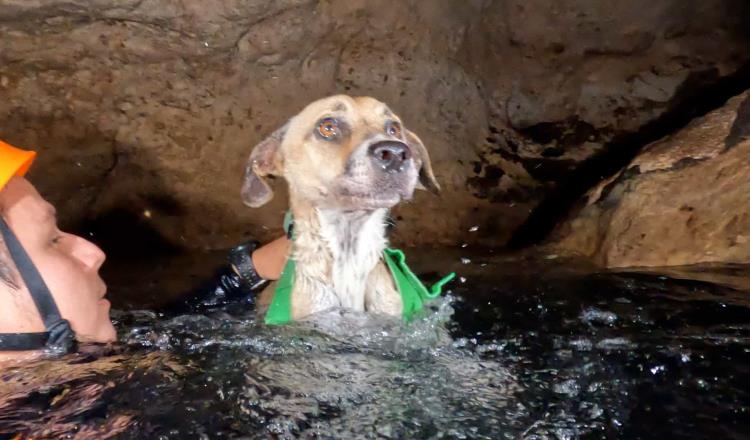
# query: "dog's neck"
[[336, 250]]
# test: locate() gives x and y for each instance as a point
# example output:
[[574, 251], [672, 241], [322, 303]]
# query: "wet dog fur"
[[347, 161]]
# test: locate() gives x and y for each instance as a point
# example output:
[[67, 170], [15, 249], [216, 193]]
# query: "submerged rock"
[[684, 200]]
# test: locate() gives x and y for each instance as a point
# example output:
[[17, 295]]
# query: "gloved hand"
[[240, 259], [231, 283]]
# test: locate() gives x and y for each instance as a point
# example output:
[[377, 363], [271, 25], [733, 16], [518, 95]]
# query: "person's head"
[[67, 264]]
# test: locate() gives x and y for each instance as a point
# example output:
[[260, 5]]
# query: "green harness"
[[413, 293]]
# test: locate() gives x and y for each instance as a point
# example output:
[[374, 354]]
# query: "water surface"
[[521, 347]]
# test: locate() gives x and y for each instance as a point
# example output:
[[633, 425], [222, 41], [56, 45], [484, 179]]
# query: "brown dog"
[[346, 161]]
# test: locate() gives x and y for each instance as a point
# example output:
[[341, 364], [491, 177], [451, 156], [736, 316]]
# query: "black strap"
[[23, 341], [240, 257], [59, 337]]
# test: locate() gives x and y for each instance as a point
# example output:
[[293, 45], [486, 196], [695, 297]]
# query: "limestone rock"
[[684, 200], [151, 107]]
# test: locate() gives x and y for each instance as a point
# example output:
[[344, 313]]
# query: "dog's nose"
[[390, 155]]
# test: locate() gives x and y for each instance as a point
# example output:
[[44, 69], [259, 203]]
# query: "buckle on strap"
[[61, 339]]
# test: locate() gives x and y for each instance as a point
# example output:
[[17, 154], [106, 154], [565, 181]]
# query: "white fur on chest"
[[356, 241]]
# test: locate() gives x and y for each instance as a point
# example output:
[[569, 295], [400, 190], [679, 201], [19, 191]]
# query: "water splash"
[[512, 352]]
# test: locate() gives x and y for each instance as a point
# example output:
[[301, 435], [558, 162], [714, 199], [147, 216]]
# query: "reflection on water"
[[523, 348]]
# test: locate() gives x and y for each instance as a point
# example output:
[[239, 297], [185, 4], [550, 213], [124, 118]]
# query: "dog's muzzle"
[[390, 155]]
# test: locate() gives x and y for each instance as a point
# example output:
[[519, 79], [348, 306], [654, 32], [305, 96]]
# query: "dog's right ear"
[[427, 178], [264, 161]]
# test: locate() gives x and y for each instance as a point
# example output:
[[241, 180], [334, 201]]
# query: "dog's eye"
[[328, 128], [393, 128]]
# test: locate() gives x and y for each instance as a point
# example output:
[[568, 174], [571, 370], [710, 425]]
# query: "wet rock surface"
[[684, 200], [148, 109]]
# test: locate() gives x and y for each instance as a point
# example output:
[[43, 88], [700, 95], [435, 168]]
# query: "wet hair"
[[8, 272], [8, 275]]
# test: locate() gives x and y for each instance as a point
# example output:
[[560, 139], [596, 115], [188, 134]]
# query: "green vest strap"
[[413, 293], [280, 310]]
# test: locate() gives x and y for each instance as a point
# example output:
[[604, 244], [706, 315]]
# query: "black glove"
[[240, 258], [232, 283]]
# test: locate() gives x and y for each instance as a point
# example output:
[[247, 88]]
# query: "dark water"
[[520, 348]]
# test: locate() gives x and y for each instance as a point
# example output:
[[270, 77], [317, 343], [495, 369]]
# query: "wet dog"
[[346, 161]]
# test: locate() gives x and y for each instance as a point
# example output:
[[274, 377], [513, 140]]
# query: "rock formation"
[[684, 200], [150, 107]]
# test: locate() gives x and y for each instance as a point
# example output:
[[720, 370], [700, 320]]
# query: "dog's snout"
[[390, 155]]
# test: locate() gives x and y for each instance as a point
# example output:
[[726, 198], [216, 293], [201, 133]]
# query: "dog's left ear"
[[264, 161], [426, 176]]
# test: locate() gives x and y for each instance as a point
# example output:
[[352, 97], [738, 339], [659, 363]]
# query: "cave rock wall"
[[149, 108]]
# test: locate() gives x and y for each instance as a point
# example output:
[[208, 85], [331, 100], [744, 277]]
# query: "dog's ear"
[[264, 161], [426, 176]]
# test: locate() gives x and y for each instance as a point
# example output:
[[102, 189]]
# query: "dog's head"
[[341, 152]]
